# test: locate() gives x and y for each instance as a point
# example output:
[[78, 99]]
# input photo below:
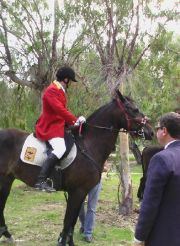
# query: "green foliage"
[[155, 84], [90, 93], [83, 102], [19, 107]]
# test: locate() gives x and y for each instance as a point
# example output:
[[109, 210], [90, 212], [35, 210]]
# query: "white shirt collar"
[[165, 147], [63, 89], [57, 83]]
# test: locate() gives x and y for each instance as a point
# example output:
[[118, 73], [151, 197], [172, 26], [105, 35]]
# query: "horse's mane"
[[98, 111], [105, 107], [92, 117], [129, 99]]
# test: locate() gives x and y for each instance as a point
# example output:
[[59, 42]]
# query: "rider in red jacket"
[[50, 125]]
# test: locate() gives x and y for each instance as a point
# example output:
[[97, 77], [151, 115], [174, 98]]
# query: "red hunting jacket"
[[54, 113]]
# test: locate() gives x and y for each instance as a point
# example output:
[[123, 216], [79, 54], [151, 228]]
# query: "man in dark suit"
[[159, 218]]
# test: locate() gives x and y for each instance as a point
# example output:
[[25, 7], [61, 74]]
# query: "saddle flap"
[[33, 151]]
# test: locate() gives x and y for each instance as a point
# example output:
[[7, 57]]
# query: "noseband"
[[129, 121]]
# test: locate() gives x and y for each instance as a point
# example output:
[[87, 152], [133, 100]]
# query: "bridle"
[[129, 121]]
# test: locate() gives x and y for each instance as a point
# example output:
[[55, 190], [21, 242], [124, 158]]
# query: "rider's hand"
[[80, 120]]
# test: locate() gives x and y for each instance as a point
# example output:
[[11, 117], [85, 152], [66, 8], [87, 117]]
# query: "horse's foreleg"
[[74, 202], [66, 238], [5, 187]]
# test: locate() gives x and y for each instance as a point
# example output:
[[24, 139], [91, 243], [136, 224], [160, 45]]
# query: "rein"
[[85, 153], [141, 122], [122, 108], [114, 129], [140, 132]]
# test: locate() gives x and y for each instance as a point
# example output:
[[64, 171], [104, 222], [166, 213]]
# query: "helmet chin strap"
[[66, 82]]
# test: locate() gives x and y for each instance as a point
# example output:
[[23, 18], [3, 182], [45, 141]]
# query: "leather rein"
[[140, 132], [129, 121]]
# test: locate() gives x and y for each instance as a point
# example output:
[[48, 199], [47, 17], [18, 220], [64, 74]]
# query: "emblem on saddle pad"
[[30, 154], [34, 152]]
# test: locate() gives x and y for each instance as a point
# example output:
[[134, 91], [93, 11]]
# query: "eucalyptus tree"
[[106, 38], [33, 36], [122, 32], [156, 82], [34, 42]]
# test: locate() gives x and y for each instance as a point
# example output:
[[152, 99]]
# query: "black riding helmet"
[[65, 72]]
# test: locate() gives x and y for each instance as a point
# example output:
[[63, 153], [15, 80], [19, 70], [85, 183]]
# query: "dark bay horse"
[[98, 139], [146, 156]]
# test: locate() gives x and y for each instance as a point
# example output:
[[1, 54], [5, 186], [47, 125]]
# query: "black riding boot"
[[45, 172]]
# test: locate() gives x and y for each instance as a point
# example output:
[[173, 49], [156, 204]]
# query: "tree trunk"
[[136, 152], [126, 203]]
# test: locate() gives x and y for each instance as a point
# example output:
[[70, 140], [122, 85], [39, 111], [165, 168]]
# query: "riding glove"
[[80, 120]]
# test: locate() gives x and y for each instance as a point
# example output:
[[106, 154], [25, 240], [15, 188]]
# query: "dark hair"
[[172, 123], [65, 72], [177, 110]]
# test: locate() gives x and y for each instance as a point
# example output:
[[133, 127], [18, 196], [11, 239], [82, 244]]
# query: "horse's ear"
[[120, 96]]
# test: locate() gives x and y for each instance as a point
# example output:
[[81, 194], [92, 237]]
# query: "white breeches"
[[58, 145]]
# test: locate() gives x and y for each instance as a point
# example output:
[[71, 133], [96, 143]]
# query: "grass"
[[36, 218]]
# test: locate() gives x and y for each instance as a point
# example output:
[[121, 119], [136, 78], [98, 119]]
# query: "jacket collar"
[[173, 143], [58, 85]]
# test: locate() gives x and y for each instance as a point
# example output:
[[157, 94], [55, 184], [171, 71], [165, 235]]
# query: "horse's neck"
[[104, 116], [100, 142], [100, 145]]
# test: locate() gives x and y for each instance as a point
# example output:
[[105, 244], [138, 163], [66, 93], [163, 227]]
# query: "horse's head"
[[135, 122]]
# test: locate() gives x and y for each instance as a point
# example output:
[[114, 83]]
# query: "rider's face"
[[67, 83]]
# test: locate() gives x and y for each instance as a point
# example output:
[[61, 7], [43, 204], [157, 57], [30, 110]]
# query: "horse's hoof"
[[9, 240], [71, 243], [60, 244], [63, 244]]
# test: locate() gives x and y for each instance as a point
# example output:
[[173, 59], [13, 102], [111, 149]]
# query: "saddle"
[[35, 151]]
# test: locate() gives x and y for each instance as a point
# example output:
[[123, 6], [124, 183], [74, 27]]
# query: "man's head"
[[65, 74], [169, 128], [177, 110]]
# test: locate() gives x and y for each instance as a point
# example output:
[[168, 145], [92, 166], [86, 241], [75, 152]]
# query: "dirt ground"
[[110, 216]]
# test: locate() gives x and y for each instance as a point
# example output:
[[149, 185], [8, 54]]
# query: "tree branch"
[[11, 74], [6, 45], [132, 45], [31, 38], [53, 58], [40, 32], [121, 61]]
